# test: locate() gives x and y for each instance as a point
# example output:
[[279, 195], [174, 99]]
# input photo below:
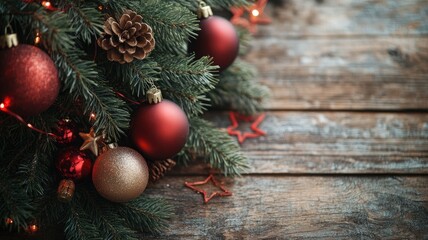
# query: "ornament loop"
[[154, 95], [108, 147], [204, 11], [9, 39]]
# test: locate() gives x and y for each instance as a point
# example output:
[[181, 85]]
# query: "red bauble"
[[73, 163], [28, 80], [159, 130], [66, 132], [218, 39]]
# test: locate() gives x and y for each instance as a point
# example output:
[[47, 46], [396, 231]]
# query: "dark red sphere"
[[159, 130], [73, 163], [28, 80], [218, 39], [66, 132]]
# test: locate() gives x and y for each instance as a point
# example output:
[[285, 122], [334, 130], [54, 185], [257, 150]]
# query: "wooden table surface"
[[346, 151]]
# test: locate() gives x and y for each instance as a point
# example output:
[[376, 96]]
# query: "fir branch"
[[79, 225], [14, 203], [82, 81], [217, 148], [54, 28], [245, 39], [186, 80], [218, 4], [238, 91], [36, 174], [86, 21], [171, 23], [147, 215], [135, 77], [104, 215], [50, 211]]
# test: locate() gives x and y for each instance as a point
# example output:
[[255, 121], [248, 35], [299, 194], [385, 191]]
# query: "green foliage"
[[145, 214], [218, 4], [89, 84], [215, 146], [238, 91], [186, 80]]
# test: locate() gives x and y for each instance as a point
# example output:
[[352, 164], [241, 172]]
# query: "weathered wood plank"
[[362, 73], [293, 18], [335, 143], [284, 207]]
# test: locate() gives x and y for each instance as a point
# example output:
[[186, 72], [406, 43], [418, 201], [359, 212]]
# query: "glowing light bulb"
[[9, 221], [100, 7], [37, 39], [46, 4], [29, 125], [255, 12], [1, 105], [33, 228]]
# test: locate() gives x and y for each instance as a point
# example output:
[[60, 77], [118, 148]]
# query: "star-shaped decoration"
[[256, 131], [91, 141], [238, 18], [207, 197], [255, 13]]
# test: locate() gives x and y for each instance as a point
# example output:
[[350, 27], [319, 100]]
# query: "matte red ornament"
[[73, 164], [66, 132], [218, 39], [159, 130], [28, 80]]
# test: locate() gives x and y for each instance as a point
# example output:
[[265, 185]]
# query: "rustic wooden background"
[[346, 151]]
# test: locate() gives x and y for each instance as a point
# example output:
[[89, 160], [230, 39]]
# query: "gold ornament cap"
[[9, 39], [204, 11], [154, 95], [109, 146]]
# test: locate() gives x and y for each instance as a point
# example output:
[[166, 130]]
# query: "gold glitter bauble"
[[120, 174]]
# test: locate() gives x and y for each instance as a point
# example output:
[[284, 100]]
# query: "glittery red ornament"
[[159, 130], [66, 132], [28, 80], [218, 39], [73, 163]]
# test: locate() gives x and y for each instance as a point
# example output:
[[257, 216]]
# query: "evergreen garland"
[[89, 82]]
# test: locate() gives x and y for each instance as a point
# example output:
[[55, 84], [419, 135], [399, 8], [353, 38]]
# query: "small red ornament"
[[28, 80], [159, 130], [217, 39], [224, 192], [73, 164], [66, 132], [231, 130]]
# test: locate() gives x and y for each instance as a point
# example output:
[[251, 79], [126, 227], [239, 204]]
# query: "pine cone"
[[127, 38], [159, 168]]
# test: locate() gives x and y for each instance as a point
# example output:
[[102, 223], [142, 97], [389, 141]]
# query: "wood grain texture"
[[382, 73], [296, 18], [334, 143], [272, 207]]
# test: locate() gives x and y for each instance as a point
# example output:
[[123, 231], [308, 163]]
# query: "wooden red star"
[[231, 130], [238, 19], [224, 192], [256, 16]]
